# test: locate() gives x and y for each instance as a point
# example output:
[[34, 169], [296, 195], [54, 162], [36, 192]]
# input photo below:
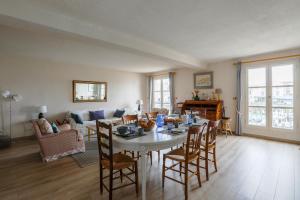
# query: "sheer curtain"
[[150, 88], [172, 97], [238, 123]]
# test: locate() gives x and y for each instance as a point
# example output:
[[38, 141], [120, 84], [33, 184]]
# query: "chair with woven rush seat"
[[185, 155], [208, 146], [114, 162], [151, 115]]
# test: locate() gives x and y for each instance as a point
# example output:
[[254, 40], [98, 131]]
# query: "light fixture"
[[42, 109], [8, 96], [139, 102]]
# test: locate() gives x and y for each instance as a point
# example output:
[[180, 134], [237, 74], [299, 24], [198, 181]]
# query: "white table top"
[[153, 140]]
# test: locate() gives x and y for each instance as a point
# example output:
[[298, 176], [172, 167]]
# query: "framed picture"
[[203, 80]]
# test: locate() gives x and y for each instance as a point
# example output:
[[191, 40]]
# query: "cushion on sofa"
[[77, 118], [119, 113], [94, 115], [55, 128], [44, 126]]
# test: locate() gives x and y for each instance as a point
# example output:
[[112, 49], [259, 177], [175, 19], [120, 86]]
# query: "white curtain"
[[172, 97], [150, 88], [238, 123]]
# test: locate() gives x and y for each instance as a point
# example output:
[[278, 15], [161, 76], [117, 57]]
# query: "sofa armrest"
[[61, 142]]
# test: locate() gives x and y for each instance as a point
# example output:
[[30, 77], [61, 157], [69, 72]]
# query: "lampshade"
[[140, 102], [43, 109], [5, 93]]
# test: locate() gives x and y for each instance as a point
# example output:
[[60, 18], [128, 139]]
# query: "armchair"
[[64, 143]]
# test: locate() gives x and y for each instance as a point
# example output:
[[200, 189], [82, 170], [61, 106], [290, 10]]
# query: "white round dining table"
[[154, 140]]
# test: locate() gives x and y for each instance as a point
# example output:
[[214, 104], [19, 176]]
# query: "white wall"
[[50, 83], [224, 78]]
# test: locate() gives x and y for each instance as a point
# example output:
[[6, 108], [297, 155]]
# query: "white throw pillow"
[[45, 126]]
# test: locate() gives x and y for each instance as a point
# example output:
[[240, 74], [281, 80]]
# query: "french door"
[[270, 97]]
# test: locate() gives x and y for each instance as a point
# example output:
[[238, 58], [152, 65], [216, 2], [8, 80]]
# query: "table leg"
[[89, 134], [144, 173]]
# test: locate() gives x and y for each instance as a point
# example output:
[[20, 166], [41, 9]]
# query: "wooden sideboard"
[[214, 109]]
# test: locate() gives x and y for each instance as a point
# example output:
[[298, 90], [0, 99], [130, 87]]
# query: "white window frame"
[[161, 91], [268, 130]]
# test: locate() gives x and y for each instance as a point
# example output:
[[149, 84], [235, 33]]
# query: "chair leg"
[[121, 175], [198, 172], [180, 168], [101, 178], [206, 164], [186, 181], [215, 159], [110, 182], [136, 178], [163, 171], [151, 157], [158, 155]]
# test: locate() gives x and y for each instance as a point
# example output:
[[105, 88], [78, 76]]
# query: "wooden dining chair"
[[185, 156], [151, 115], [133, 119], [208, 147], [114, 162], [130, 119]]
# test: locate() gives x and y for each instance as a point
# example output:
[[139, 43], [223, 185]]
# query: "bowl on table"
[[122, 130]]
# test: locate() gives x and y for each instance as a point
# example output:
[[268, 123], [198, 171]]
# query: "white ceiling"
[[189, 32], [65, 48]]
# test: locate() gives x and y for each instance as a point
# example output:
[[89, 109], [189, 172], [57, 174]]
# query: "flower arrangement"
[[195, 94]]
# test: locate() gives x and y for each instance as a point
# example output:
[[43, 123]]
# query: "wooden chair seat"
[[120, 161], [179, 155]]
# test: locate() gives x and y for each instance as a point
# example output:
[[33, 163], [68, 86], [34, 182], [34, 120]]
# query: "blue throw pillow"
[[76, 118], [119, 113], [55, 128], [94, 115]]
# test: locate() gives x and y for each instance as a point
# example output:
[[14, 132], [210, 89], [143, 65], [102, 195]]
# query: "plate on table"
[[122, 135], [178, 130]]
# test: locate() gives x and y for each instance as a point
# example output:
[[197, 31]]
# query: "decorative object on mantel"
[[8, 96], [219, 92], [195, 95], [203, 80], [89, 91]]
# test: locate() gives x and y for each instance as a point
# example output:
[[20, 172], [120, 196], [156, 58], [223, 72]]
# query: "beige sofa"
[[85, 116]]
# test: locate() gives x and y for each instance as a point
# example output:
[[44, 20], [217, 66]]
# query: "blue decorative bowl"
[[122, 130]]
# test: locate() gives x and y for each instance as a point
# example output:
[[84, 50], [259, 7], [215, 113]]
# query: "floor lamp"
[[7, 96]]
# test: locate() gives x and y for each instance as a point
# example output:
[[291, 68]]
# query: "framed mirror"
[[89, 91]]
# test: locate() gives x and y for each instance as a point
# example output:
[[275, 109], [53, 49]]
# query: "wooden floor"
[[248, 169]]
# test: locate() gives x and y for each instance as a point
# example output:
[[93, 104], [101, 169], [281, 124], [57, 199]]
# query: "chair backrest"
[[193, 140], [104, 137], [164, 111], [128, 119], [151, 115], [211, 134]]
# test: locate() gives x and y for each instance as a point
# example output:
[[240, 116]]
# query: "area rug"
[[89, 157]]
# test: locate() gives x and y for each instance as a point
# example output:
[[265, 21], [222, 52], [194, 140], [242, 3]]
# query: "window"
[[161, 93], [270, 96], [283, 96], [257, 96]]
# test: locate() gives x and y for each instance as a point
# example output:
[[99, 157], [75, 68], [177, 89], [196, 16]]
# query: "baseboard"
[[271, 138], [30, 137]]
